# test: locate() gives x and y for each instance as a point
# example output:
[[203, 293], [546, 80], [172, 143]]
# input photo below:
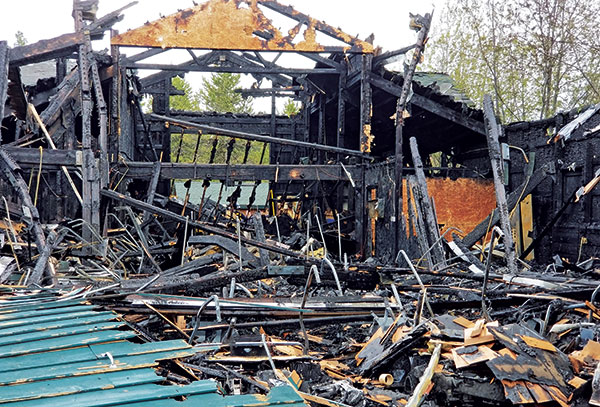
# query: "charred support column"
[[423, 24], [90, 171], [366, 112], [493, 136], [3, 80], [432, 230], [341, 128], [13, 173], [366, 103], [113, 142]]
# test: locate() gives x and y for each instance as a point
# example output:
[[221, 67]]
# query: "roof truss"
[[238, 25]]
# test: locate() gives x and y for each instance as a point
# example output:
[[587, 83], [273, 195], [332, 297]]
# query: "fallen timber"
[[338, 256]]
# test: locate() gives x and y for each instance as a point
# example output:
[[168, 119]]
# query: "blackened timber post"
[[341, 127], [321, 138], [90, 171], [432, 231], [366, 138], [424, 25], [366, 104], [113, 141], [493, 136], [3, 80]]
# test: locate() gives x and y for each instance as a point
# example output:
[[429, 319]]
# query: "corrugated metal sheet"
[[57, 352]]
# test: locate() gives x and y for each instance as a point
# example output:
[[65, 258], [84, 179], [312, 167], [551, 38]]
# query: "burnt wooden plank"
[[493, 135], [3, 79], [243, 172], [429, 105], [428, 213], [257, 137], [12, 172], [44, 50]]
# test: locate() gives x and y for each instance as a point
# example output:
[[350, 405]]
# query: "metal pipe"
[[322, 235], [314, 271], [264, 342], [201, 309], [339, 236], [437, 241], [335, 274], [495, 231], [414, 271]]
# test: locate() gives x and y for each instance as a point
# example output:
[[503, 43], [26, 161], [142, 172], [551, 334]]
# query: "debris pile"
[[373, 262]]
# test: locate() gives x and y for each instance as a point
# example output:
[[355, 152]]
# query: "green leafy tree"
[[218, 94], [536, 57], [291, 108], [189, 101], [20, 39]]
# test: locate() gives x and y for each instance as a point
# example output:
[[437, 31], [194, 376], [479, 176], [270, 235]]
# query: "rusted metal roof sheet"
[[238, 25], [60, 352]]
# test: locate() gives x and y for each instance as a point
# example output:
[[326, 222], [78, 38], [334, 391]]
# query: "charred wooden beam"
[[399, 224], [12, 172], [235, 69], [288, 11], [493, 136], [63, 45], [30, 157], [390, 56], [256, 137], [3, 80], [198, 225], [242, 172], [429, 105], [428, 213], [67, 90], [43, 50]]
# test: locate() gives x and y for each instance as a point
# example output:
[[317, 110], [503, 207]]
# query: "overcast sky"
[[387, 19]]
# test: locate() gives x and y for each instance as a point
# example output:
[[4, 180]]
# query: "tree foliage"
[[190, 101], [216, 95], [291, 108], [20, 39], [535, 57]]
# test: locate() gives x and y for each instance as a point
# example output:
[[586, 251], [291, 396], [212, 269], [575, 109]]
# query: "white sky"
[[387, 19]]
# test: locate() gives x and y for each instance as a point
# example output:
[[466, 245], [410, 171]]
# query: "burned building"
[[388, 196]]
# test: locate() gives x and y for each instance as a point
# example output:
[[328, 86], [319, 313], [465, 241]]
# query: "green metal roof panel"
[[38, 313], [65, 353], [120, 396], [28, 325], [64, 342], [87, 353], [73, 385], [278, 396], [82, 327], [41, 305], [88, 367]]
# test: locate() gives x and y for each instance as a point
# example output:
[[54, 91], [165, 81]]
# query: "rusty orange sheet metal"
[[462, 203], [230, 25]]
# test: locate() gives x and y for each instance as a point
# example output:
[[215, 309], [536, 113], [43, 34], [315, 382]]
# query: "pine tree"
[[218, 94]]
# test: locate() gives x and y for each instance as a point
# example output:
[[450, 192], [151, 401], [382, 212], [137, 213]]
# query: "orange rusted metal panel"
[[462, 203], [233, 25]]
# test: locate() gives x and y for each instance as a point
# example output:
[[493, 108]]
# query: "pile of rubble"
[[338, 291]]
